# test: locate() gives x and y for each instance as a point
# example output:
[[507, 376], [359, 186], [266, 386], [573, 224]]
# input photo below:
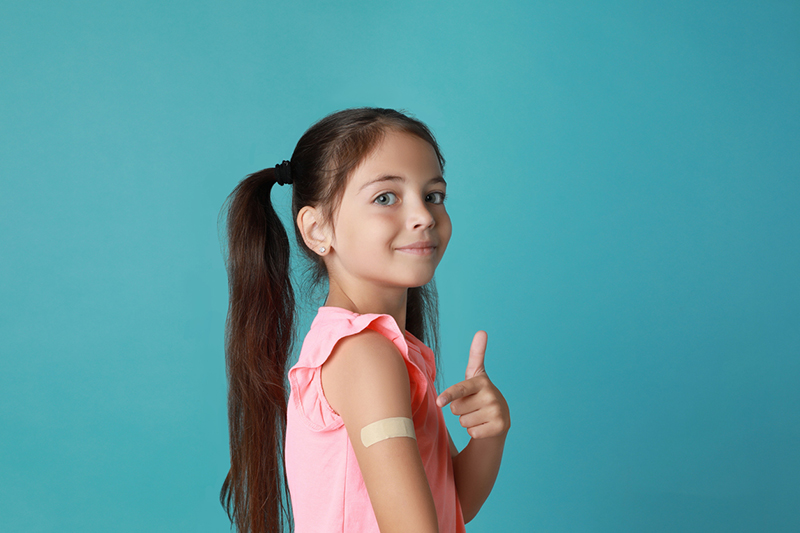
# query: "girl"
[[360, 444]]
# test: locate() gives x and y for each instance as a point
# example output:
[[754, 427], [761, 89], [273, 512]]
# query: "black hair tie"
[[283, 173]]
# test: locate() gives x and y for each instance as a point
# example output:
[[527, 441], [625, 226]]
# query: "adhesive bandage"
[[387, 428]]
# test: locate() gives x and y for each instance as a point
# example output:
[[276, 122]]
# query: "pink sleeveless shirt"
[[327, 490]]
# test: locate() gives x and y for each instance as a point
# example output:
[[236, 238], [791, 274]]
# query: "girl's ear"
[[314, 232]]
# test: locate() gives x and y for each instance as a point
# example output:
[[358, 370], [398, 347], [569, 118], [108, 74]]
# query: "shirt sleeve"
[[304, 377]]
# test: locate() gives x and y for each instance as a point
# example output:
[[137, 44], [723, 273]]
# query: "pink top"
[[327, 490]]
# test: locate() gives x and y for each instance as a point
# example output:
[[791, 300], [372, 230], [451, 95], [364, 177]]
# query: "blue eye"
[[386, 198], [438, 195]]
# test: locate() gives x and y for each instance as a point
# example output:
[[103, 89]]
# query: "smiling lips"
[[419, 248]]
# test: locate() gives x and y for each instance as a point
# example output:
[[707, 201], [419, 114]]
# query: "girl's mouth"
[[427, 250]]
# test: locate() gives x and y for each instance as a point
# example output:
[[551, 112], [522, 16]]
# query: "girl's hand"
[[480, 406]]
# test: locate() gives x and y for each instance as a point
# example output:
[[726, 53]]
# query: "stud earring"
[[322, 249]]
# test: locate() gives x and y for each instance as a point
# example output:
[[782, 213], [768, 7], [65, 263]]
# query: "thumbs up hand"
[[480, 406]]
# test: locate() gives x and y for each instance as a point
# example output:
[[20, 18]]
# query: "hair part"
[[259, 331]]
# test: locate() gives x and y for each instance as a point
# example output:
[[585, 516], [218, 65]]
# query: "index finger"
[[459, 390]]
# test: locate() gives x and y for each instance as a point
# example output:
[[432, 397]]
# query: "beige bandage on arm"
[[387, 428]]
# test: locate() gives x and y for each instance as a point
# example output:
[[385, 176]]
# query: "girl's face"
[[391, 229]]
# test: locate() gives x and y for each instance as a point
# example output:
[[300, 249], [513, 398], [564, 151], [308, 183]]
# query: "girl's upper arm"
[[365, 380]]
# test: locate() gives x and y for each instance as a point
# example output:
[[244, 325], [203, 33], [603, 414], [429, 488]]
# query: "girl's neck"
[[380, 302]]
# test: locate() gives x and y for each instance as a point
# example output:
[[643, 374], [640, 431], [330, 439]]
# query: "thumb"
[[477, 353]]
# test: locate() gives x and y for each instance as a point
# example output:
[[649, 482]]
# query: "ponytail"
[[258, 339]]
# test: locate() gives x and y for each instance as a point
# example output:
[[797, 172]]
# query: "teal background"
[[625, 198]]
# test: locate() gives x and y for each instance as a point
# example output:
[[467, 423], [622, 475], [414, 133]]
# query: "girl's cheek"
[[447, 229], [386, 214]]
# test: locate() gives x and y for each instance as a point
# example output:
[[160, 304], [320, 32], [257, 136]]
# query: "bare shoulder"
[[366, 369]]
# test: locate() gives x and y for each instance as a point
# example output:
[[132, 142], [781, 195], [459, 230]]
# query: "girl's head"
[[389, 226], [332, 161], [331, 157]]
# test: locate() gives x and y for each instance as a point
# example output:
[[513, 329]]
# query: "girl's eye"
[[387, 198], [436, 197]]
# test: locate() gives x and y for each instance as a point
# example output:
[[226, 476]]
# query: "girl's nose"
[[420, 216]]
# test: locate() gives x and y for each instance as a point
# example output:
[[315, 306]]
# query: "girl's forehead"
[[397, 153]]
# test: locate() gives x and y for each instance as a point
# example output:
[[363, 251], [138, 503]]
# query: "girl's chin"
[[420, 281]]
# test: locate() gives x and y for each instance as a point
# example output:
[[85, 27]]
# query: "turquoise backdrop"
[[625, 192]]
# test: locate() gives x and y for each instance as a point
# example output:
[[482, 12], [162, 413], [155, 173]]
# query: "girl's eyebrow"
[[389, 177]]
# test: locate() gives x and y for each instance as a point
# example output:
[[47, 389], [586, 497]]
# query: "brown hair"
[[259, 332]]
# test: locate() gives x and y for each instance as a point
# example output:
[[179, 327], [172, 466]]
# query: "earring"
[[322, 249]]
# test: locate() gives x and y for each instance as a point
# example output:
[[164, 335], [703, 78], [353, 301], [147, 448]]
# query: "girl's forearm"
[[475, 469]]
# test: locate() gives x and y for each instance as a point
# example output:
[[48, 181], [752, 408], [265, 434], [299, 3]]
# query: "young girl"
[[362, 435]]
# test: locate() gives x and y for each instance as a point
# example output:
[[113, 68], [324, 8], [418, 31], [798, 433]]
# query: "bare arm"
[[484, 412], [475, 469], [365, 380]]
